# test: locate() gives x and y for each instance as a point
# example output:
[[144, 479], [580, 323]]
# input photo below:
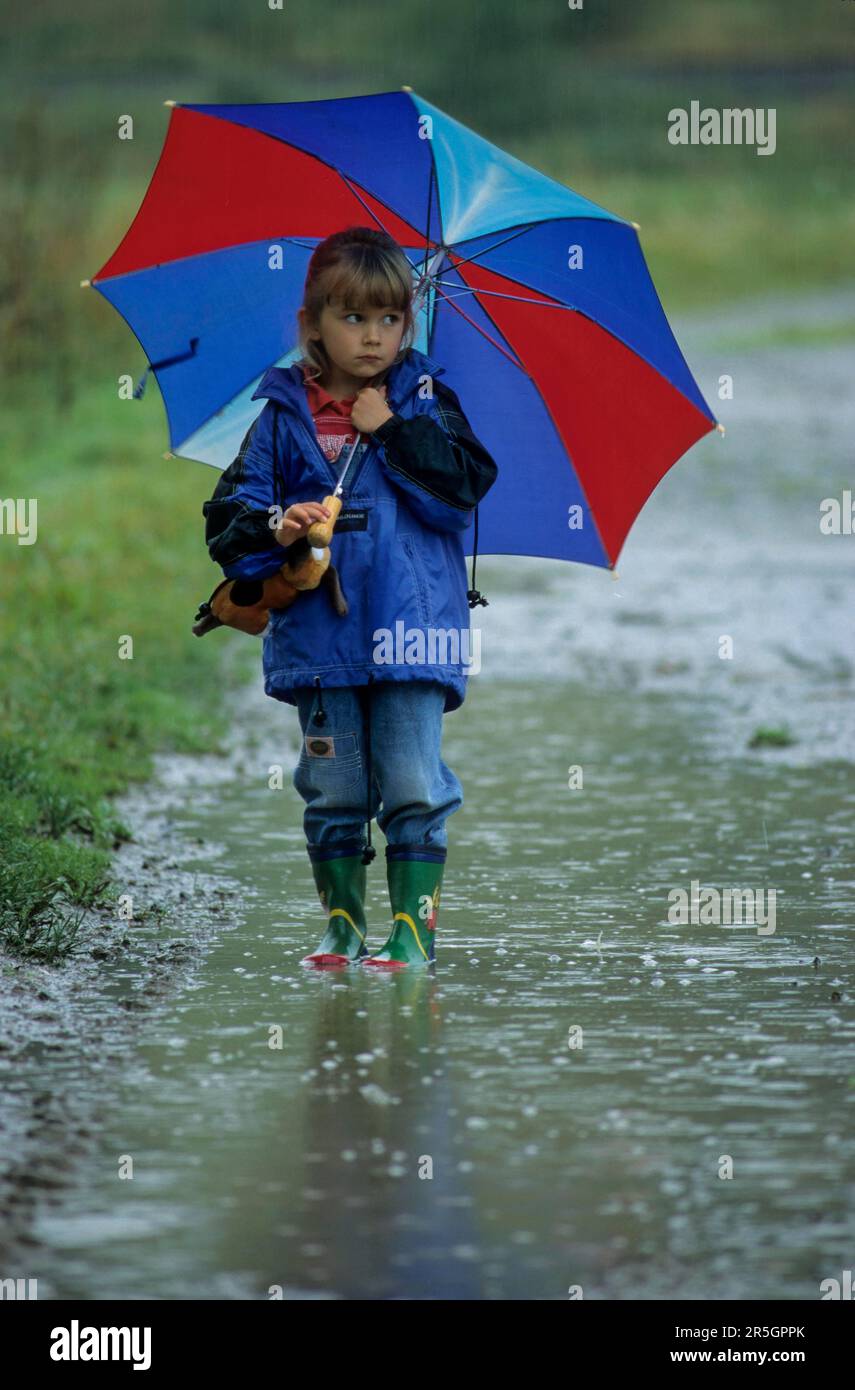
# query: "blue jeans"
[[412, 790]]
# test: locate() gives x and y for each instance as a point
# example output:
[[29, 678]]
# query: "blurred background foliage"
[[582, 94]]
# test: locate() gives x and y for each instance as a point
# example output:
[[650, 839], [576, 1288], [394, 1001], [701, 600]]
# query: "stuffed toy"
[[245, 603]]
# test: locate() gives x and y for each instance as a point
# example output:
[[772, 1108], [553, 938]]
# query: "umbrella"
[[537, 301]]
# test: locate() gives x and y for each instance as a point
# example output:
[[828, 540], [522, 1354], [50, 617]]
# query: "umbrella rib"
[[547, 303], [484, 334], [486, 249], [434, 183], [357, 194], [306, 245], [500, 294], [562, 217], [427, 224]]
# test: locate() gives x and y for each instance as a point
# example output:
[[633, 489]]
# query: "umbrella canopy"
[[537, 301]]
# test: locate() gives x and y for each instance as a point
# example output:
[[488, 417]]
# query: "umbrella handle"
[[319, 533]]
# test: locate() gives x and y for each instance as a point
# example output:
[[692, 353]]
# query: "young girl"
[[371, 724]]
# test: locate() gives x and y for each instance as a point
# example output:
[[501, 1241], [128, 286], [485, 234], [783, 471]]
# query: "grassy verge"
[[119, 555]]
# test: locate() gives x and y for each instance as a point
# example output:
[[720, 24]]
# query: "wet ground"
[[445, 1135]]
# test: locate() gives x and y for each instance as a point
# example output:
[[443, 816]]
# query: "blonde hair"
[[360, 267]]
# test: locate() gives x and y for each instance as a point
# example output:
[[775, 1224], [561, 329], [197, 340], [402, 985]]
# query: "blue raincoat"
[[409, 496]]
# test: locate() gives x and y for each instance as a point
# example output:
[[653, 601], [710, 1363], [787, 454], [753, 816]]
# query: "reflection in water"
[[390, 1215]]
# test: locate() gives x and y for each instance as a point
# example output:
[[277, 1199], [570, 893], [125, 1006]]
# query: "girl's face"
[[361, 342]]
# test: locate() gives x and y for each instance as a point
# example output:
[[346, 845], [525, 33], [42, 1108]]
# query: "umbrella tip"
[[170, 103], [637, 226], [168, 455], [720, 429], [84, 284], [406, 89]]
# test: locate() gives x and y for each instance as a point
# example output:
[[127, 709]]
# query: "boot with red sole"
[[415, 879]]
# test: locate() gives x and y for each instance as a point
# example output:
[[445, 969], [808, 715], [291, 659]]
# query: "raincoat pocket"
[[421, 584]]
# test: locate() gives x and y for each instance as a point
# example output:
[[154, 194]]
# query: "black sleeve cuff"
[[389, 428], [233, 531]]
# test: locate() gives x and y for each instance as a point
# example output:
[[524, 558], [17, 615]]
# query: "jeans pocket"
[[329, 763]]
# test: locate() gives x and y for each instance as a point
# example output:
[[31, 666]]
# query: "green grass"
[[771, 738], [119, 553]]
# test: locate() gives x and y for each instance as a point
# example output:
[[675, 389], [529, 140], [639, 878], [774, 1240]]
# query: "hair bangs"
[[372, 283]]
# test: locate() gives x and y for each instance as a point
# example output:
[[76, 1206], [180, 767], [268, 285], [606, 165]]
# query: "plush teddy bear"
[[245, 603]]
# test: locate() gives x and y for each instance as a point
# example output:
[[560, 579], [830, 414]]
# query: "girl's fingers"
[[310, 509]]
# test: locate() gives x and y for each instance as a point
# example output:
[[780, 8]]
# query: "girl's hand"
[[370, 409], [297, 520]]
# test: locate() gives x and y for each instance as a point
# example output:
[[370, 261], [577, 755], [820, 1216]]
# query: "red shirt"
[[333, 424]]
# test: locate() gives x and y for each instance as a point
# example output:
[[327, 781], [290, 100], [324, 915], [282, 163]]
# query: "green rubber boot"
[[341, 888], [414, 890]]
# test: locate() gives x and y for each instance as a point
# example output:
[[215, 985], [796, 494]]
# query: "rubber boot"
[[414, 891], [341, 888]]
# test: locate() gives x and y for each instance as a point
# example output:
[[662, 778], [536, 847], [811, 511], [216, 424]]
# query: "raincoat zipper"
[[350, 484], [311, 441]]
